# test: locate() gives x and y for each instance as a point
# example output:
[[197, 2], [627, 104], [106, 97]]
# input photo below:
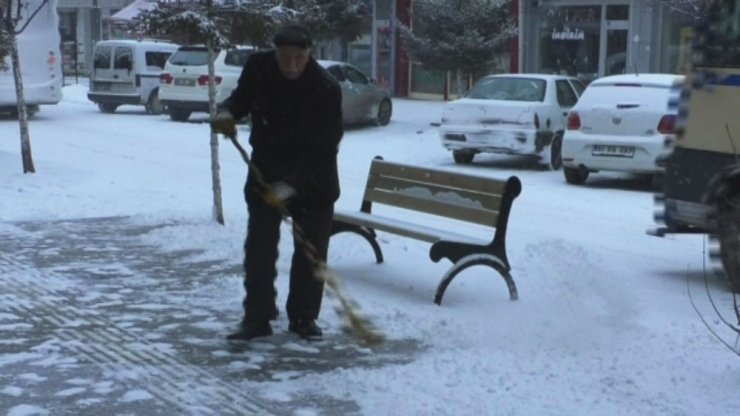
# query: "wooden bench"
[[458, 196]]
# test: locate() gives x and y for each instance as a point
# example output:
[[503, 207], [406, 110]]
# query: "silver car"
[[363, 100]]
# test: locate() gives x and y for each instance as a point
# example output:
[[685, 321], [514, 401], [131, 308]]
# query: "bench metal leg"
[[367, 233], [473, 260]]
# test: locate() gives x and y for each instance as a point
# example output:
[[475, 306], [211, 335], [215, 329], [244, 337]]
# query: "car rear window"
[[654, 95], [509, 89], [190, 57], [102, 57], [123, 58]]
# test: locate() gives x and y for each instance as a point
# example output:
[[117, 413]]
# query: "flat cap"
[[293, 34]]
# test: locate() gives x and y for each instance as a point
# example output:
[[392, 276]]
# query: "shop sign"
[[568, 34]]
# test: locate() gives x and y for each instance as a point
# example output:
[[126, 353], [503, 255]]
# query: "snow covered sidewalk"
[[93, 318]]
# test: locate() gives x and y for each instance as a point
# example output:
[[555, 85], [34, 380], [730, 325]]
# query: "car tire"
[[575, 176], [153, 105], [463, 157], [556, 156], [385, 110], [107, 108], [179, 114], [728, 225]]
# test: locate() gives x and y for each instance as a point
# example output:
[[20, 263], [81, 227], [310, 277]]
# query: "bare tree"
[[15, 16]]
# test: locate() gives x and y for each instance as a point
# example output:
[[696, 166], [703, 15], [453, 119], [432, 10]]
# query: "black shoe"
[[251, 329], [306, 329]]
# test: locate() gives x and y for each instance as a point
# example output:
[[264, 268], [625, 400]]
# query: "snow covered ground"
[[604, 324]]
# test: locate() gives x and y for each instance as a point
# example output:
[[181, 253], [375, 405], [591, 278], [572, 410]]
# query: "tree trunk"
[[218, 208], [22, 110], [458, 83]]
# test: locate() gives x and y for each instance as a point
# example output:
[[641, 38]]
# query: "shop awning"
[[129, 13]]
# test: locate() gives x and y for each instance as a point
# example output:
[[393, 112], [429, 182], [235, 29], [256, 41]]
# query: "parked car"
[[127, 72], [510, 114], [183, 85], [363, 100], [621, 123]]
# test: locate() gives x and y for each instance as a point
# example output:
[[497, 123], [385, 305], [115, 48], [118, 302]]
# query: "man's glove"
[[278, 193], [224, 123]]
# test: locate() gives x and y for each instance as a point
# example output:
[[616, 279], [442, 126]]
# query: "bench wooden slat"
[[451, 179], [404, 228], [434, 206]]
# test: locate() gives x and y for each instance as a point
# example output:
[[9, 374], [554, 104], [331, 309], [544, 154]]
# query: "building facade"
[[584, 38], [591, 39], [81, 24]]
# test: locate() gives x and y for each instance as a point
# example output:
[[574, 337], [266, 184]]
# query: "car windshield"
[[509, 89]]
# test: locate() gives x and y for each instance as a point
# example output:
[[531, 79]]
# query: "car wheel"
[[463, 157], [556, 156], [153, 105], [179, 114], [107, 108], [385, 109], [728, 224], [575, 176]]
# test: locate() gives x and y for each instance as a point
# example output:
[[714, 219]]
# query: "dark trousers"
[[261, 254]]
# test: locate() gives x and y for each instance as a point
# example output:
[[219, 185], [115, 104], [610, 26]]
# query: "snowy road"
[[117, 288]]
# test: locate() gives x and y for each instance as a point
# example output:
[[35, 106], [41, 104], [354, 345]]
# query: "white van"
[[184, 83], [127, 72]]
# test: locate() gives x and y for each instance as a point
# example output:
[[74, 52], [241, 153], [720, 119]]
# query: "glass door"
[[570, 39], [613, 59]]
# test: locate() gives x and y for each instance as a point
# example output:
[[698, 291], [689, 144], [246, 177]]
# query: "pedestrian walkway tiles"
[[95, 320]]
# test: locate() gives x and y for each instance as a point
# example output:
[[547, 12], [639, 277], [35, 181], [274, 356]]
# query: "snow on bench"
[[456, 196]]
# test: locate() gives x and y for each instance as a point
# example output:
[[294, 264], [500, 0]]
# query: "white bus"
[[40, 57]]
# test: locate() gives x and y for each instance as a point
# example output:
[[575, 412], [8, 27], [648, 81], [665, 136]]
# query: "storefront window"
[[569, 41], [678, 32]]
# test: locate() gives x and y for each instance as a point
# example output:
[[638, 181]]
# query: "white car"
[[510, 114], [621, 123], [183, 85]]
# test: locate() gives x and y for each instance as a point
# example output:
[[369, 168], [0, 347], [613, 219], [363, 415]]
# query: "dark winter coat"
[[296, 125]]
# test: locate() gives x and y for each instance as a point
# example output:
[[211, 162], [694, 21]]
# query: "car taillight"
[[203, 80], [667, 124], [52, 59], [574, 121], [165, 78], [138, 80]]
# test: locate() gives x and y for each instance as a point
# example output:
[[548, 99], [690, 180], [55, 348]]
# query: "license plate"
[[102, 86], [184, 82], [614, 151]]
